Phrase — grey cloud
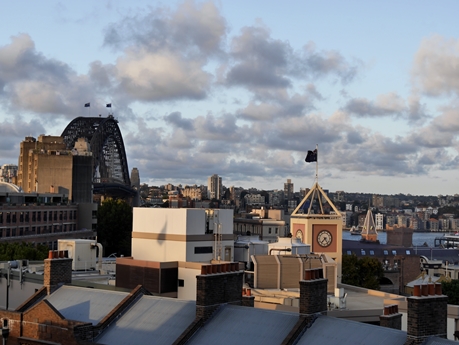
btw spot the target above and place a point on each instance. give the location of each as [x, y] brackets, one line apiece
[34, 83]
[385, 105]
[354, 138]
[191, 29]
[177, 120]
[318, 64]
[262, 62]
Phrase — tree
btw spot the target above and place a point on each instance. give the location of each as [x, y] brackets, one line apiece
[26, 251]
[114, 227]
[365, 272]
[451, 289]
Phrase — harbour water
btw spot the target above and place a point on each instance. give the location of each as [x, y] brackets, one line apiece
[419, 238]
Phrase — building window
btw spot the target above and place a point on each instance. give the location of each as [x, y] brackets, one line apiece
[349, 252]
[362, 252]
[372, 252]
[1, 217]
[408, 252]
[181, 283]
[269, 231]
[277, 230]
[394, 252]
[386, 252]
[203, 250]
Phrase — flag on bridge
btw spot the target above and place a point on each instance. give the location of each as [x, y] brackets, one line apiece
[87, 105]
[109, 105]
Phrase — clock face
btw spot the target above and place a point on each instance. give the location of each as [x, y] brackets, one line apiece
[299, 234]
[324, 238]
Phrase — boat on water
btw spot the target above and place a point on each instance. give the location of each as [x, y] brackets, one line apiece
[447, 241]
[355, 231]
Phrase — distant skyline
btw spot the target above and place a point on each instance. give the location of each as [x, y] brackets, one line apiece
[244, 89]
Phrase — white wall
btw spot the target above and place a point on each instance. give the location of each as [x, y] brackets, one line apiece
[159, 220]
[158, 250]
[188, 291]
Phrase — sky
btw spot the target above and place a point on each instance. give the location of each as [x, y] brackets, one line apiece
[244, 89]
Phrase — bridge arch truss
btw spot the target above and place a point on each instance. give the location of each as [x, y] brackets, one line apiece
[106, 144]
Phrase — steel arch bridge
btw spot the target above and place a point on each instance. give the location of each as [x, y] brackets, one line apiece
[110, 167]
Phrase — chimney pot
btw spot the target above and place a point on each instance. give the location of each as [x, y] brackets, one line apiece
[424, 290]
[438, 289]
[417, 291]
[431, 289]
[386, 310]
[307, 275]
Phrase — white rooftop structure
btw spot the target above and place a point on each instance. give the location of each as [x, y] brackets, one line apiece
[183, 234]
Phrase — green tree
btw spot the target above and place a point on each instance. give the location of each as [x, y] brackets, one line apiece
[114, 227]
[26, 251]
[365, 272]
[451, 289]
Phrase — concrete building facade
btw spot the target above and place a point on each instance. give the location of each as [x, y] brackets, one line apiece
[214, 187]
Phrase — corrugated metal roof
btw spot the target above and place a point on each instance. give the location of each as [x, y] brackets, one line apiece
[331, 331]
[152, 320]
[245, 325]
[83, 304]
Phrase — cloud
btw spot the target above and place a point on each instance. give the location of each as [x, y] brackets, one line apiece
[389, 104]
[176, 119]
[262, 62]
[34, 83]
[12, 132]
[436, 66]
[191, 29]
[161, 76]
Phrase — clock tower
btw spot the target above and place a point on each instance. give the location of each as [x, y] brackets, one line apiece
[317, 222]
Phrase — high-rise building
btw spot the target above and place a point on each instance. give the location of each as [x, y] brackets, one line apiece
[288, 190]
[214, 187]
[47, 166]
[135, 178]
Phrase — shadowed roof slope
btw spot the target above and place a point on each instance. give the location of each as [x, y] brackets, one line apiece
[243, 325]
[152, 320]
[333, 331]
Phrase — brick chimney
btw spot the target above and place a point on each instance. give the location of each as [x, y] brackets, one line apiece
[313, 292]
[57, 270]
[427, 313]
[217, 285]
[391, 317]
